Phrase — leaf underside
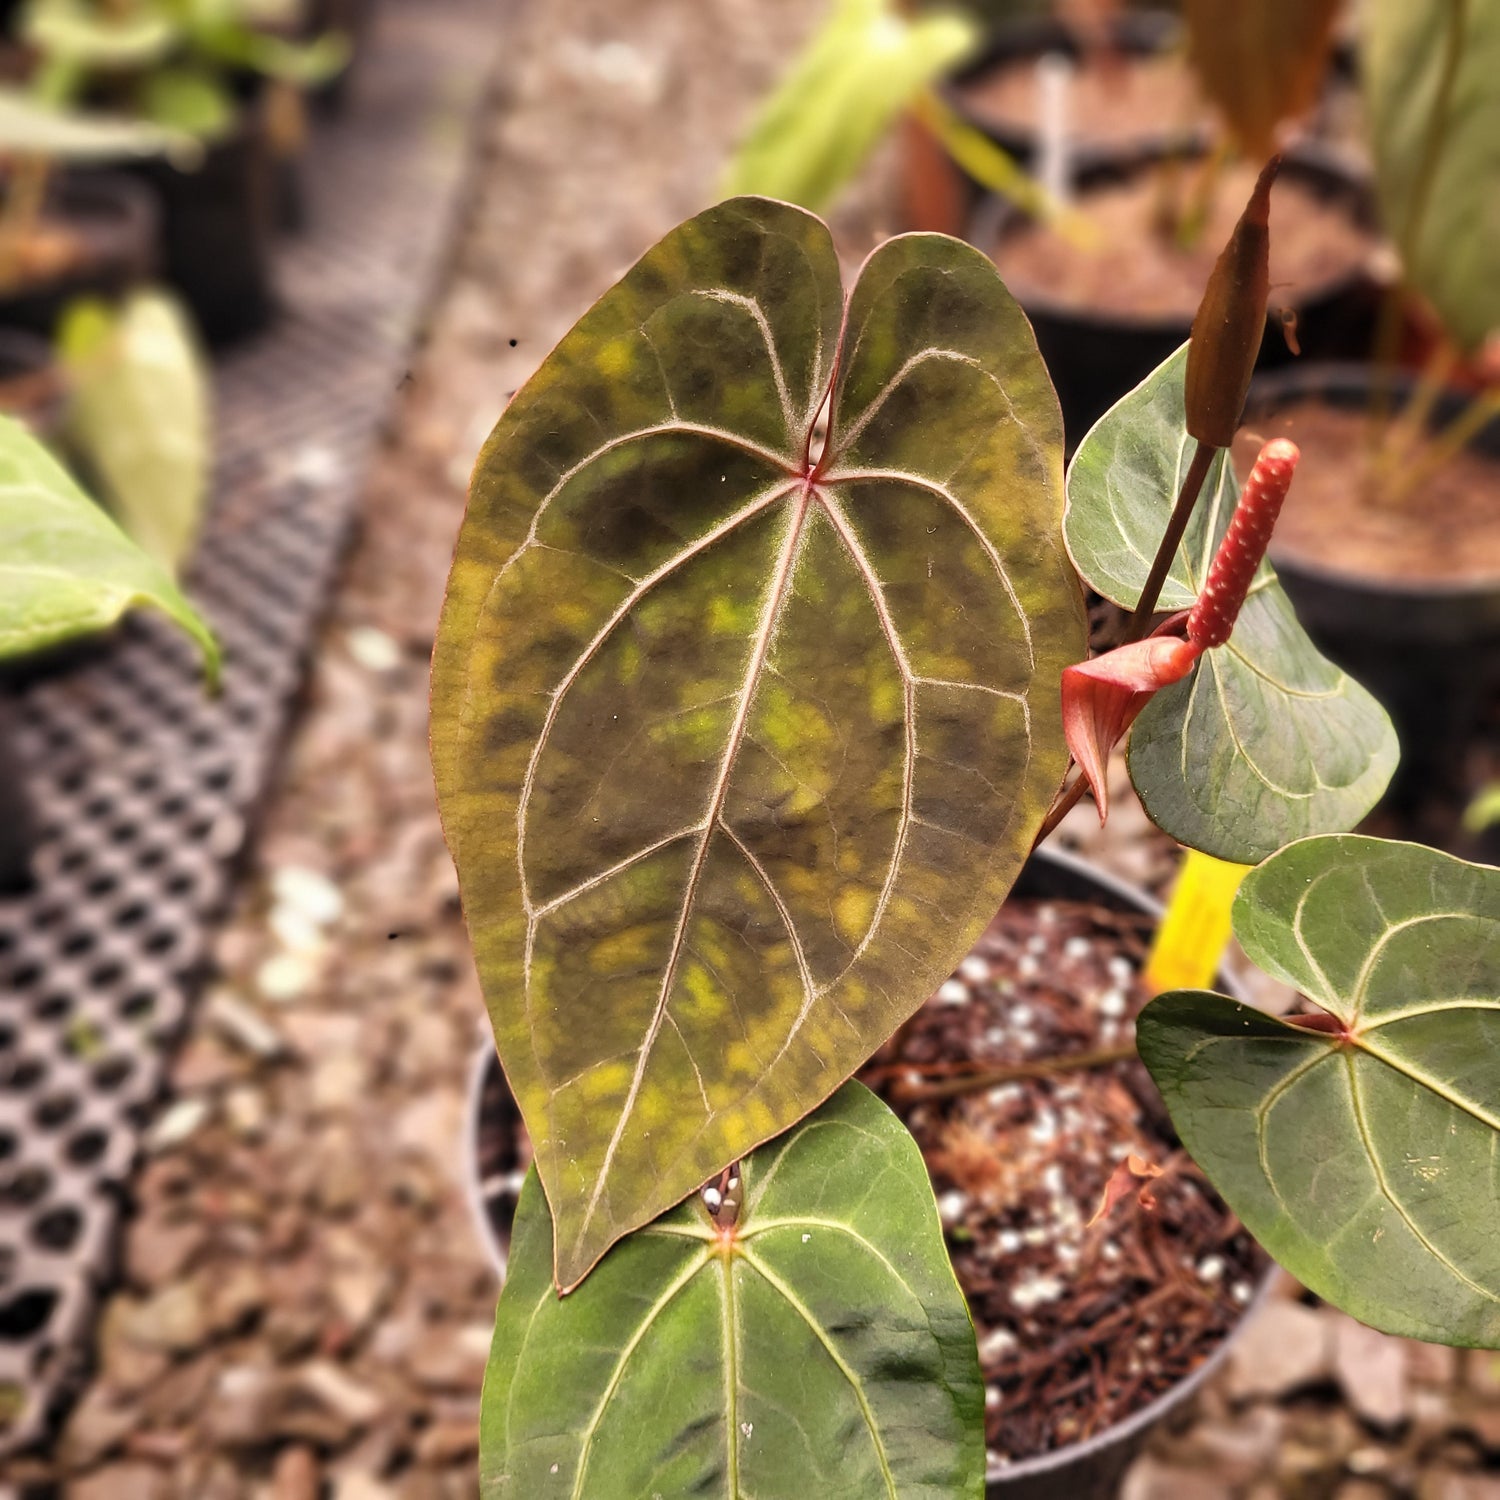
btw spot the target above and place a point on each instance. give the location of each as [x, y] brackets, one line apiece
[1265, 741]
[66, 569]
[1443, 210]
[139, 416]
[1369, 1167]
[735, 762]
[830, 1354]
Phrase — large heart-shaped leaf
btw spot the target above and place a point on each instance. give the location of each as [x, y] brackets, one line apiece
[822, 1347]
[1436, 170]
[1266, 741]
[1366, 1159]
[66, 569]
[139, 416]
[861, 69]
[739, 748]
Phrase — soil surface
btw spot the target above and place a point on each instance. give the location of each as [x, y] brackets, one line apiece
[1404, 522]
[1084, 1314]
[1112, 100]
[1134, 272]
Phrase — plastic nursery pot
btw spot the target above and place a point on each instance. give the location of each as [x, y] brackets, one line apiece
[18, 823]
[1086, 1470]
[1427, 647]
[217, 227]
[105, 228]
[32, 388]
[1121, 115]
[1096, 353]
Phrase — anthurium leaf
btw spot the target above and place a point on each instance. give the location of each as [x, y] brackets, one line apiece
[1437, 192]
[822, 1347]
[861, 68]
[1365, 1159]
[1265, 741]
[139, 416]
[66, 569]
[30, 127]
[1260, 64]
[738, 750]
[94, 36]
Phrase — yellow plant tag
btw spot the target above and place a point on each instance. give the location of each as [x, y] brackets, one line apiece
[1196, 929]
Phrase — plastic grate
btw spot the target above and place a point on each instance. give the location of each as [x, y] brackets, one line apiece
[144, 786]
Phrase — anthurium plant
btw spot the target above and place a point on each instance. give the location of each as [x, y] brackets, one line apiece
[748, 708]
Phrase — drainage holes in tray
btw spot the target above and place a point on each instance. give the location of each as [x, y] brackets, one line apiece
[87, 1147]
[55, 1111]
[9, 1145]
[54, 1007]
[58, 1229]
[21, 1073]
[25, 1187]
[105, 883]
[113, 1071]
[78, 942]
[25, 1315]
[131, 915]
[8, 1036]
[106, 975]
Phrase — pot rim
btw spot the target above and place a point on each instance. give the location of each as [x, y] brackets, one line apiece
[994, 217]
[1345, 383]
[1117, 1433]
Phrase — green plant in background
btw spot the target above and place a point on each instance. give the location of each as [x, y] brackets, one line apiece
[174, 63]
[69, 571]
[138, 418]
[745, 715]
[866, 64]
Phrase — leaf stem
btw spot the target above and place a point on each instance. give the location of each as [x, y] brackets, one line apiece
[1192, 486]
[1040, 1067]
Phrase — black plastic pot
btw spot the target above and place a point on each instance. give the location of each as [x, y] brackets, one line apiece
[18, 823]
[217, 228]
[1089, 1470]
[1429, 651]
[1095, 357]
[31, 385]
[115, 221]
[1135, 34]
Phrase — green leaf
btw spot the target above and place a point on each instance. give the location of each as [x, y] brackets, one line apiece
[188, 99]
[305, 63]
[824, 1349]
[1265, 741]
[1368, 1164]
[737, 754]
[1440, 195]
[66, 569]
[93, 37]
[139, 416]
[859, 71]
[32, 128]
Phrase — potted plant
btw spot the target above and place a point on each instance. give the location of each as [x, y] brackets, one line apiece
[66, 228]
[218, 74]
[746, 715]
[1392, 551]
[71, 572]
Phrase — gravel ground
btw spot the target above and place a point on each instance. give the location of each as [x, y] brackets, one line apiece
[305, 1309]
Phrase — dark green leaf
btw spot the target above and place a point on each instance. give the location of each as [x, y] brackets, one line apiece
[861, 69]
[1440, 195]
[66, 569]
[736, 760]
[1266, 741]
[1367, 1163]
[824, 1349]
